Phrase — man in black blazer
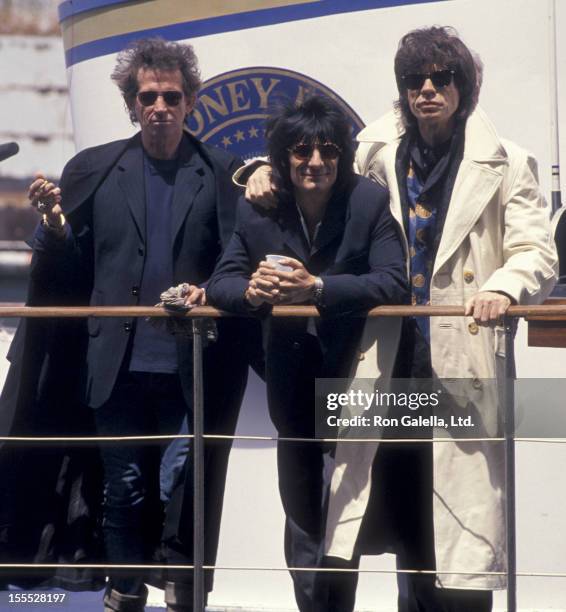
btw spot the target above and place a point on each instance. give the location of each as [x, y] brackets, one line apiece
[343, 254]
[132, 218]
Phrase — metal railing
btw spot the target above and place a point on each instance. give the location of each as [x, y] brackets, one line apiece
[197, 316]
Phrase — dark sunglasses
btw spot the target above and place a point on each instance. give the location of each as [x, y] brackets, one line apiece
[439, 78]
[327, 150]
[171, 98]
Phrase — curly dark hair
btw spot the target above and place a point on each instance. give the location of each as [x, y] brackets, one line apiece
[421, 49]
[317, 119]
[154, 54]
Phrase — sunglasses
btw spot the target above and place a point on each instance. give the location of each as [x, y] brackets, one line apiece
[171, 98]
[327, 150]
[439, 78]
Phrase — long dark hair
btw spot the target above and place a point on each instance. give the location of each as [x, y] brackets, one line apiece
[421, 49]
[316, 119]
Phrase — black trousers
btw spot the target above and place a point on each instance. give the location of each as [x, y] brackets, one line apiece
[300, 466]
[225, 370]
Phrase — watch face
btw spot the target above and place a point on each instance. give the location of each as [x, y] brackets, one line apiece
[318, 287]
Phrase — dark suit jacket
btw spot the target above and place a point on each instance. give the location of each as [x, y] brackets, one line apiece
[104, 202]
[105, 206]
[358, 255]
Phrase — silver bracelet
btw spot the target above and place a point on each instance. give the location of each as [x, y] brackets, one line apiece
[317, 291]
[53, 228]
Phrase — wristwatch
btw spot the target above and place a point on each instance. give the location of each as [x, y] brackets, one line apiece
[318, 290]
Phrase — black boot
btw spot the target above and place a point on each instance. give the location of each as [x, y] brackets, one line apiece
[119, 602]
[179, 597]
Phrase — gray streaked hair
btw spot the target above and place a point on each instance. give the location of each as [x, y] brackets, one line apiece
[155, 54]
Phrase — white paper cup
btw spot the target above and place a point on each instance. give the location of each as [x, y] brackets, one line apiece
[275, 259]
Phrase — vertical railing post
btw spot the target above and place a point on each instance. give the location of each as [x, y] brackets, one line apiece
[509, 407]
[198, 467]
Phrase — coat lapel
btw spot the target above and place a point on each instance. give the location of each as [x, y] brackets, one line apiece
[131, 182]
[188, 183]
[333, 222]
[390, 167]
[479, 176]
[474, 188]
[293, 234]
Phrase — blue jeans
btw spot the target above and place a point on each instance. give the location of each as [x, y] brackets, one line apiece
[139, 477]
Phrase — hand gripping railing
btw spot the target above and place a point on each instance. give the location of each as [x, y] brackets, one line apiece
[548, 312]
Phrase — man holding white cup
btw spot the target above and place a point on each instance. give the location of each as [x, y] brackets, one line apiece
[330, 242]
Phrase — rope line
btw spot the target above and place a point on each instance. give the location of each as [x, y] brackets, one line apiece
[158, 438]
[4, 566]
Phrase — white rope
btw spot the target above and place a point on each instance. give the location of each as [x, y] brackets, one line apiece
[158, 438]
[267, 569]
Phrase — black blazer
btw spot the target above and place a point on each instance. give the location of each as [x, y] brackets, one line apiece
[357, 253]
[103, 198]
[104, 202]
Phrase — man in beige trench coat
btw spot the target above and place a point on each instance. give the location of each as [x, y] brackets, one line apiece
[476, 232]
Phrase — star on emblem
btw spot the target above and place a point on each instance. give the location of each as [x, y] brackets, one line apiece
[239, 136]
[253, 132]
[226, 142]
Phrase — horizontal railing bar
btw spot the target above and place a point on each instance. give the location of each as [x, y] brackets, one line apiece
[557, 312]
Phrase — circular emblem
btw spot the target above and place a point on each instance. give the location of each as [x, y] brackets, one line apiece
[232, 107]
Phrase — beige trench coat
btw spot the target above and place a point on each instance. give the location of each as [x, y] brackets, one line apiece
[496, 237]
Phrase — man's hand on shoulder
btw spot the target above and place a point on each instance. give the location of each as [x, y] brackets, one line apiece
[487, 307]
[260, 189]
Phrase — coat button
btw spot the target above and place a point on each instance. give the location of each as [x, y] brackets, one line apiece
[473, 328]
[135, 290]
[140, 252]
[476, 383]
[468, 276]
[296, 346]
[127, 327]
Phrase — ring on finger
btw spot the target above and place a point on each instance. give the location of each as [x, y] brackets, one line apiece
[43, 207]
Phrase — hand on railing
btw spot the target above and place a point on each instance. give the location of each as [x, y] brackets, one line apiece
[487, 307]
[177, 301]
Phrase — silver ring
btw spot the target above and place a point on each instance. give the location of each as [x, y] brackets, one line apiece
[43, 207]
